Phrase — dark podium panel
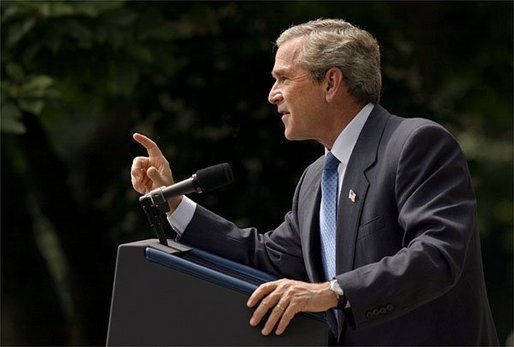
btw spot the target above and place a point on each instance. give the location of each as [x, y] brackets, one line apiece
[182, 296]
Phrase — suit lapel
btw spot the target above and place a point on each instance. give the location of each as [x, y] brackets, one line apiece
[315, 271]
[311, 249]
[355, 188]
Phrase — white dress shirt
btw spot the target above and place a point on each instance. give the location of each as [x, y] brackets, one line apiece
[343, 146]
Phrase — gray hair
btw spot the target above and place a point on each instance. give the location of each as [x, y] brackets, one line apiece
[331, 43]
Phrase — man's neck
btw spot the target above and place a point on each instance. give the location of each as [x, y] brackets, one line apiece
[341, 119]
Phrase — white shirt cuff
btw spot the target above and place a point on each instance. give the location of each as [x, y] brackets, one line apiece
[181, 217]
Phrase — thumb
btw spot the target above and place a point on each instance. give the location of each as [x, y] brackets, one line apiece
[155, 176]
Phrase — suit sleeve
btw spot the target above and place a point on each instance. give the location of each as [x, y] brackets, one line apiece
[277, 251]
[437, 213]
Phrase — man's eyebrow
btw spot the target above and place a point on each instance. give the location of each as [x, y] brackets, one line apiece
[278, 72]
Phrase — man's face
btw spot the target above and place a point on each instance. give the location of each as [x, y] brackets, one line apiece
[298, 97]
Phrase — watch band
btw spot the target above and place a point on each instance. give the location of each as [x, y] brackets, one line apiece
[341, 298]
[342, 303]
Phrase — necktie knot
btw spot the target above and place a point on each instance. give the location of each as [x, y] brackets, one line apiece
[331, 162]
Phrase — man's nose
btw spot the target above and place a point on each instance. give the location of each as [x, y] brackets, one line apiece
[275, 96]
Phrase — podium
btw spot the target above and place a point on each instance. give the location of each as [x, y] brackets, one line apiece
[178, 295]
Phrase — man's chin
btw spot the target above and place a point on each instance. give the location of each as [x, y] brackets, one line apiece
[291, 136]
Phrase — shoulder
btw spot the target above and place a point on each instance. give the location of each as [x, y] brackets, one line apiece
[424, 134]
[420, 148]
[417, 144]
[413, 126]
[397, 130]
[417, 132]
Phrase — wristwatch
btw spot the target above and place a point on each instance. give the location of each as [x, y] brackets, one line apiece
[341, 298]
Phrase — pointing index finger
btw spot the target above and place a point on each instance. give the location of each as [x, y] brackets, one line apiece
[151, 147]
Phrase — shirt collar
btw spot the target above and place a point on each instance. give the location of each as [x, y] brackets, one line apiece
[343, 146]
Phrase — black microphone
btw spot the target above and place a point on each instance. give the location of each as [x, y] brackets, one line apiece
[203, 181]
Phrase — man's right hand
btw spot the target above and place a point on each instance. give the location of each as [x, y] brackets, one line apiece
[148, 173]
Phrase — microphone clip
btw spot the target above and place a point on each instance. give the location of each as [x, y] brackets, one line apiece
[155, 198]
[155, 206]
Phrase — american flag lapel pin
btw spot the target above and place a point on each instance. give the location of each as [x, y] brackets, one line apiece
[352, 196]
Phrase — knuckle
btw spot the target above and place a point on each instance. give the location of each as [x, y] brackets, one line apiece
[295, 307]
[139, 160]
[268, 302]
[266, 285]
[292, 292]
[263, 288]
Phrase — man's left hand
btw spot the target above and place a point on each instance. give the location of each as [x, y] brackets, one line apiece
[285, 298]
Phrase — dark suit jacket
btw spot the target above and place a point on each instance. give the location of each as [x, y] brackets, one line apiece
[408, 250]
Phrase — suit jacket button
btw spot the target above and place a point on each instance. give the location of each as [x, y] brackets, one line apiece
[383, 310]
[369, 314]
[389, 307]
[376, 312]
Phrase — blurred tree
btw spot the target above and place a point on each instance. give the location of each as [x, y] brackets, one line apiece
[79, 77]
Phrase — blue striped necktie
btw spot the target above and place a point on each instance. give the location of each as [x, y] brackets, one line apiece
[328, 214]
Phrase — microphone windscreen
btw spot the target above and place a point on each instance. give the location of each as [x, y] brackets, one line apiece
[214, 177]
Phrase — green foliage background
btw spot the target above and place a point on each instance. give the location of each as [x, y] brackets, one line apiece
[77, 78]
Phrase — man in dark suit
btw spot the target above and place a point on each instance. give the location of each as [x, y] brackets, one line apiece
[382, 233]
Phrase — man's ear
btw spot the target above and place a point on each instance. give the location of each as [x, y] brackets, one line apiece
[333, 82]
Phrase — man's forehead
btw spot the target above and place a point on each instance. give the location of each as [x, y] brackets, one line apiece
[285, 57]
